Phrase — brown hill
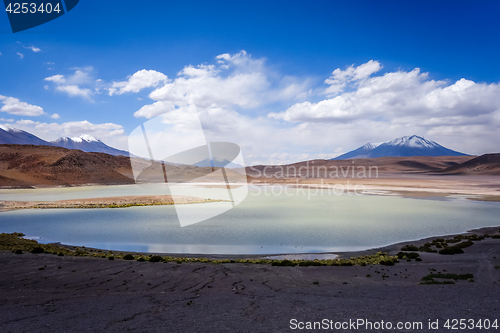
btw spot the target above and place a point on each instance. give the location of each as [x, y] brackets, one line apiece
[488, 164]
[28, 165]
[344, 168]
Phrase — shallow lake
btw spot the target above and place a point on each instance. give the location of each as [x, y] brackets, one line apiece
[269, 221]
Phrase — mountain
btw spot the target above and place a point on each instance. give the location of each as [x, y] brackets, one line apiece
[9, 135]
[85, 142]
[406, 146]
[361, 152]
[88, 144]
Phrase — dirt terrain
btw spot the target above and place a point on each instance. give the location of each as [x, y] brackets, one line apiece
[48, 293]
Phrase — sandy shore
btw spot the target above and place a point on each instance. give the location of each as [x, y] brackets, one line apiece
[107, 202]
[404, 184]
[47, 293]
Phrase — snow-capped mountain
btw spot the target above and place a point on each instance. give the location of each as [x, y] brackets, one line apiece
[361, 152]
[85, 142]
[88, 144]
[9, 135]
[401, 147]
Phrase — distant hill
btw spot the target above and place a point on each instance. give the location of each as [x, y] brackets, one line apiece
[28, 165]
[384, 165]
[488, 164]
[406, 146]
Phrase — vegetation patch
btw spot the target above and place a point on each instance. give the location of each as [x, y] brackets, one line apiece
[448, 278]
[155, 259]
[409, 248]
[451, 250]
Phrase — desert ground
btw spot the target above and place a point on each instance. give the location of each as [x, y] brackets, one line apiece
[48, 293]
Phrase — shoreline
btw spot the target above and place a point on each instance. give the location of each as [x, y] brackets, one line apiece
[104, 202]
[390, 250]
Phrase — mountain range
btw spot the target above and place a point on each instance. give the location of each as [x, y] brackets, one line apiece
[405, 146]
[85, 142]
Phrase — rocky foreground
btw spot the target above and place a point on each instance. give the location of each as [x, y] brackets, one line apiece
[50, 293]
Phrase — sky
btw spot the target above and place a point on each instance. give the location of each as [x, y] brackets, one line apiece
[286, 80]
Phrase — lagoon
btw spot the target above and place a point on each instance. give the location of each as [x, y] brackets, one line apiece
[269, 221]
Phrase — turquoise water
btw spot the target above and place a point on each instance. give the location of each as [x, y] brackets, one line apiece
[262, 224]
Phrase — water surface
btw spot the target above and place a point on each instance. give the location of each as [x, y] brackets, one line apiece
[262, 224]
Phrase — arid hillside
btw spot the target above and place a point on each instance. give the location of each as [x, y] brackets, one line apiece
[488, 164]
[344, 168]
[31, 165]
[28, 165]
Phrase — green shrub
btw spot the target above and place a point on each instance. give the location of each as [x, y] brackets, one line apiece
[388, 262]
[111, 258]
[283, 263]
[155, 259]
[451, 250]
[496, 236]
[141, 259]
[410, 255]
[18, 251]
[128, 257]
[465, 244]
[38, 249]
[409, 248]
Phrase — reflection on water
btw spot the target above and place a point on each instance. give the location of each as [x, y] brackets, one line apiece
[262, 224]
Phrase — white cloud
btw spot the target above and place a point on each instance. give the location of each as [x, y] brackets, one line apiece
[340, 78]
[7, 120]
[32, 48]
[15, 106]
[55, 116]
[74, 90]
[236, 81]
[360, 107]
[20, 55]
[464, 114]
[138, 81]
[75, 85]
[56, 79]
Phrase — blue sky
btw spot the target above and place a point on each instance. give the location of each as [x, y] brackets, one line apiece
[280, 89]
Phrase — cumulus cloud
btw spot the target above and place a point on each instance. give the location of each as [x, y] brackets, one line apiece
[404, 103]
[235, 81]
[78, 84]
[138, 81]
[15, 106]
[359, 104]
[55, 116]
